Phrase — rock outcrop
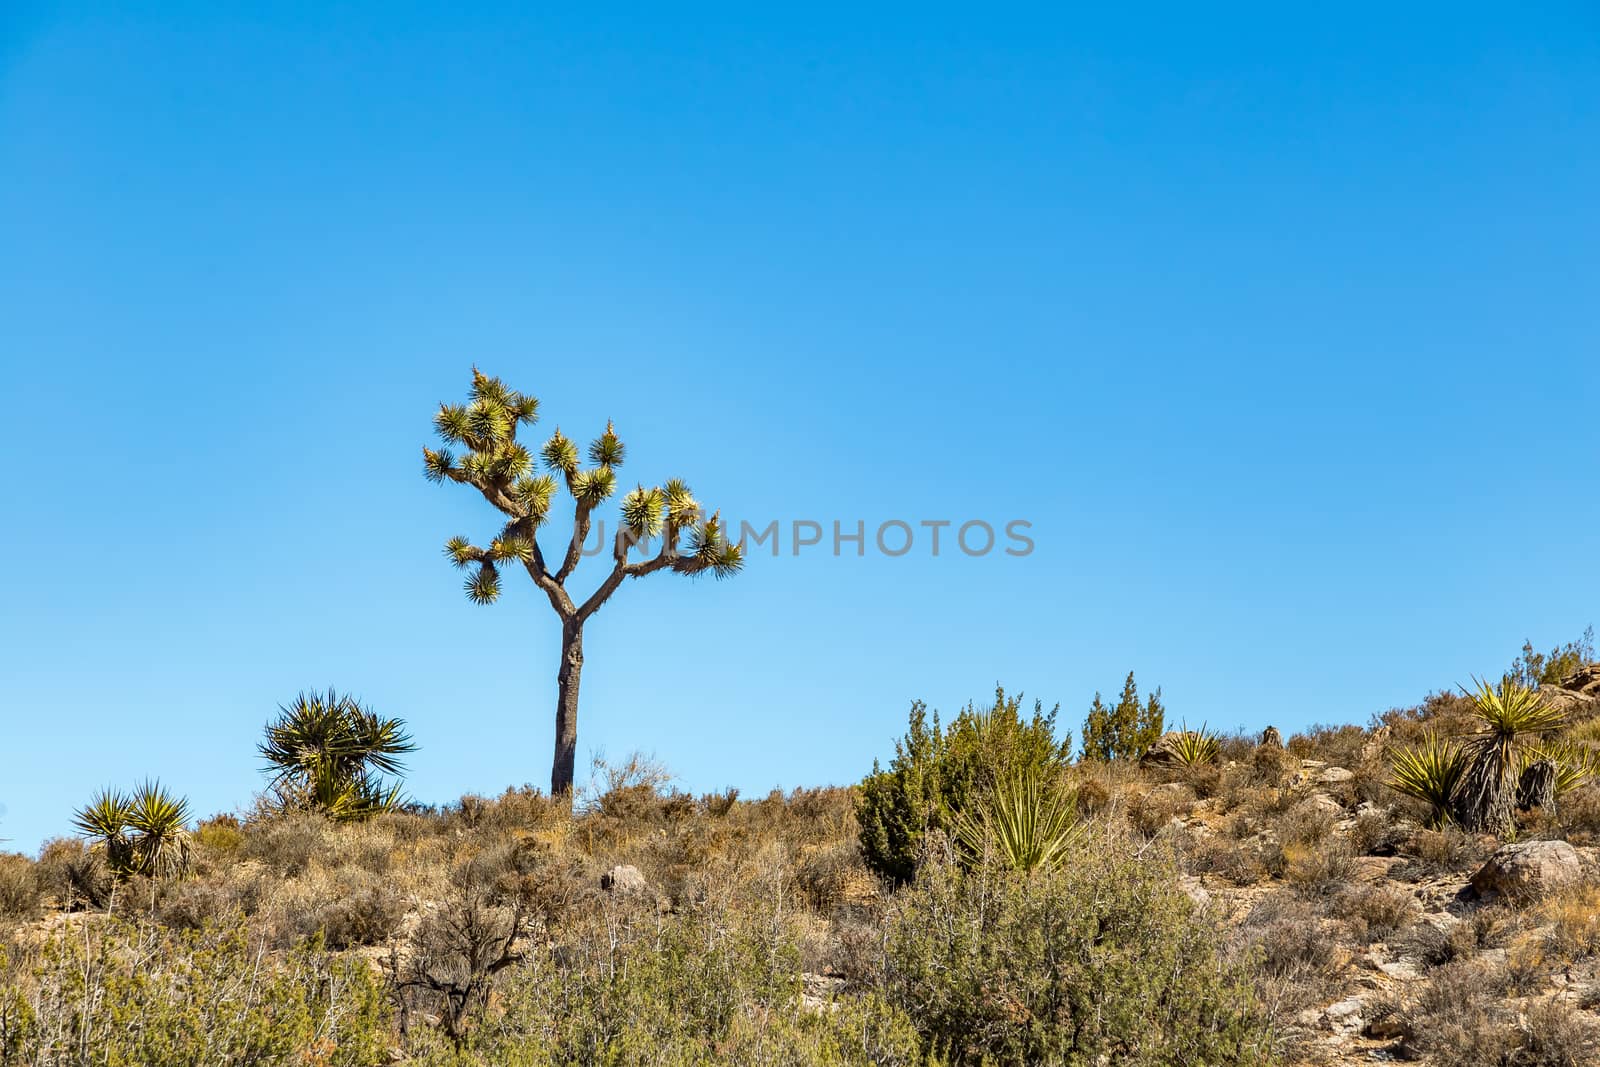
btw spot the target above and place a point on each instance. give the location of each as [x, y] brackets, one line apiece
[1529, 870]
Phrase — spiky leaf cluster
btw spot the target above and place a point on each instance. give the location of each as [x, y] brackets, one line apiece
[328, 753]
[1024, 824]
[145, 832]
[607, 450]
[1429, 772]
[1192, 748]
[643, 511]
[710, 550]
[593, 486]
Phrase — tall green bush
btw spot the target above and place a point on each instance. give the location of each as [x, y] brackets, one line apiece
[1127, 730]
[939, 773]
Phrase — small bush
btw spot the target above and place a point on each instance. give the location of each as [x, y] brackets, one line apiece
[20, 891]
[1373, 912]
[1455, 1021]
[1101, 958]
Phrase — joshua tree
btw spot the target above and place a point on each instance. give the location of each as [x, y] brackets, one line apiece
[327, 753]
[501, 468]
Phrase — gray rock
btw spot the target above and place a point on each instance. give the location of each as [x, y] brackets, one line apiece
[624, 880]
[1334, 776]
[1529, 870]
[1345, 1017]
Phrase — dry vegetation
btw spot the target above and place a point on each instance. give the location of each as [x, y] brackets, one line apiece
[1269, 903]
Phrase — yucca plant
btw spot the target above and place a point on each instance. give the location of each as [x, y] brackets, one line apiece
[1193, 748]
[145, 832]
[160, 825]
[1510, 715]
[501, 468]
[1429, 772]
[328, 753]
[104, 821]
[1023, 824]
[1547, 772]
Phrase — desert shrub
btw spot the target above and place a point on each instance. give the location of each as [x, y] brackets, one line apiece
[139, 994]
[1339, 745]
[1373, 912]
[219, 839]
[197, 904]
[72, 875]
[20, 891]
[1457, 1023]
[833, 875]
[1557, 1035]
[1307, 823]
[1377, 833]
[1272, 764]
[1227, 859]
[1100, 959]
[1315, 870]
[937, 773]
[1574, 917]
[346, 908]
[1435, 852]
[287, 843]
[705, 985]
[1151, 810]
[1289, 952]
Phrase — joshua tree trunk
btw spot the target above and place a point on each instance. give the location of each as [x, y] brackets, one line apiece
[561, 770]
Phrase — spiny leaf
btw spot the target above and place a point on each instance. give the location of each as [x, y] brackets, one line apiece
[682, 508]
[460, 551]
[511, 461]
[1509, 709]
[452, 423]
[484, 586]
[642, 511]
[592, 486]
[437, 465]
[491, 389]
[560, 454]
[525, 408]
[535, 494]
[517, 548]
[489, 419]
[607, 449]
[105, 816]
[1429, 772]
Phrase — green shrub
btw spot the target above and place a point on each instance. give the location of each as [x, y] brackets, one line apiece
[1101, 959]
[937, 774]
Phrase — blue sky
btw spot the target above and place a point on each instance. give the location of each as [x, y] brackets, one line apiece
[1279, 326]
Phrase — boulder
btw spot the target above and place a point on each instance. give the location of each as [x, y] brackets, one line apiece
[1334, 776]
[1577, 694]
[1529, 870]
[624, 880]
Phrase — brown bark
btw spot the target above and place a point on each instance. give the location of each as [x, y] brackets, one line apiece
[562, 769]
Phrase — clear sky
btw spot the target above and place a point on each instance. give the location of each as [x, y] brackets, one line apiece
[1279, 325]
